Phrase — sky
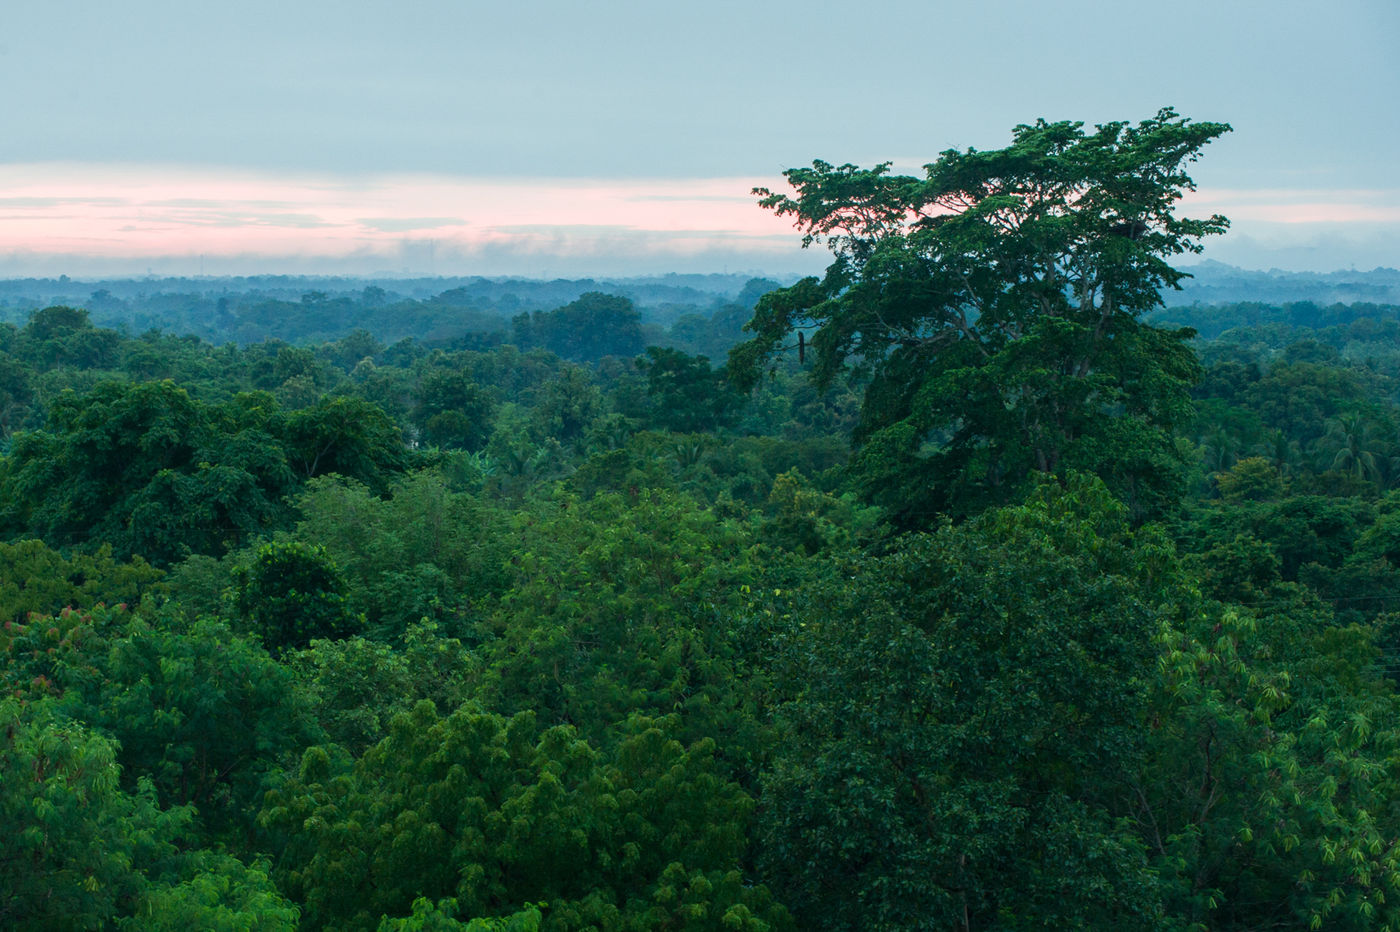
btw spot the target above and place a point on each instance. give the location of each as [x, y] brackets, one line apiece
[554, 138]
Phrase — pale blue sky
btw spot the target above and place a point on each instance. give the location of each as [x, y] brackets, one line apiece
[353, 95]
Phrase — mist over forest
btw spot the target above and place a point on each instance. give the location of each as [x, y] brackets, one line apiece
[438, 310]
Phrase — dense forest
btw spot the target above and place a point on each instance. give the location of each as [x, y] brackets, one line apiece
[967, 586]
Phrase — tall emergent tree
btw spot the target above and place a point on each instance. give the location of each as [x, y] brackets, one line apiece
[995, 306]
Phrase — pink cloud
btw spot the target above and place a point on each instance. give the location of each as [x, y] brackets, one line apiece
[118, 212]
[1298, 205]
[122, 210]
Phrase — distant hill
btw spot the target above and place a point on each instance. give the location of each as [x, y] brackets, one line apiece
[517, 293]
[705, 310]
[1218, 283]
[676, 309]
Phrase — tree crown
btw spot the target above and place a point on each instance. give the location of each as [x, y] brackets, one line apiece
[994, 304]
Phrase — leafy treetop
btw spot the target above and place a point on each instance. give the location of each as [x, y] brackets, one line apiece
[994, 305]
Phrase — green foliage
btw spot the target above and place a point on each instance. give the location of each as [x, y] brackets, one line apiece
[359, 686]
[81, 852]
[622, 605]
[1254, 479]
[519, 458]
[37, 578]
[1239, 570]
[424, 552]
[55, 321]
[594, 326]
[632, 467]
[1268, 795]
[962, 713]
[144, 468]
[1382, 539]
[567, 406]
[1301, 397]
[223, 895]
[809, 521]
[438, 917]
[1302, 529]
[1351, 446]
[15, 394]
[75, 843]
[291, 593]
[498, 814]
[996, 306]
[60, 335]
[452, 411]
[347, 436]
[202, 715]
[686, 396]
